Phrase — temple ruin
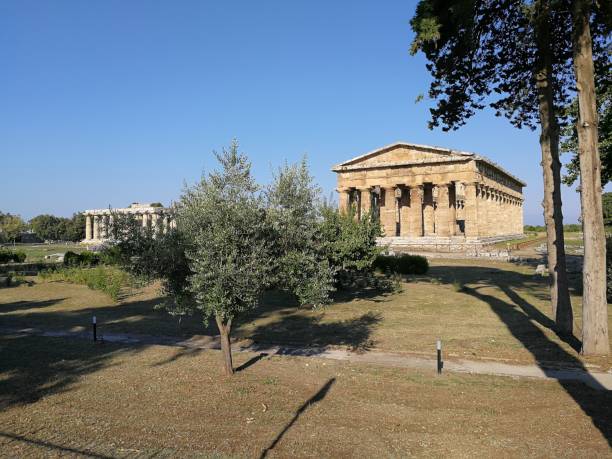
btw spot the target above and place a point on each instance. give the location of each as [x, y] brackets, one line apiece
[98, 221]
[432, 197]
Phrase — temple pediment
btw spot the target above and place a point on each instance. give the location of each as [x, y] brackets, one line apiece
[401, 154]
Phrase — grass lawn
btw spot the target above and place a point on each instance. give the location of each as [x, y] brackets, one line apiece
[65, 397]
[37, 252]
[501, 313]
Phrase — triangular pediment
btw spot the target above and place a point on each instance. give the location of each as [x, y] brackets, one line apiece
[403, 153]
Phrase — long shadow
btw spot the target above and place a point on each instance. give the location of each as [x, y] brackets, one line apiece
[537, 315]
[34, 367]
[320, 395]
[21, 305]
[52, 446]
[594, 403]
[251, 361]
[311, 331]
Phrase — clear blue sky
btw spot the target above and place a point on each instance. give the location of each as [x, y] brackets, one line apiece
[108, 102]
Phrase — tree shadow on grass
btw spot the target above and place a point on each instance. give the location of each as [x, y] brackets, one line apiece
[320, 395]
[45, 445]
[24, 305]
[594, 403]
[311, 331]
[520, 317]
[33, 367]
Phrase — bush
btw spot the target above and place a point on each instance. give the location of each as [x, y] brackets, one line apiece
[402, 264]
[107, 279]
[112, 255]
[7, 256]
[73, 259]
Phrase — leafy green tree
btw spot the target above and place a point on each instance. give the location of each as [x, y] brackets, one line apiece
[75, 228]
[47, 227]
[349, 243]
[229, 247]
[569, 142]
[11, 226]
[513, 56]
[607, 209]
[293, 209]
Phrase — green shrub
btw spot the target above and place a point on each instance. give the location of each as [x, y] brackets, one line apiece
[112, 255]
[81, 259]
[402, 264]
[107, 279]
[6, 256]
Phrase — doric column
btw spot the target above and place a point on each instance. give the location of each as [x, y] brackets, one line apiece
[88, 228]
[154, 218]
[442, 214]
[145, 220]
[96, 227]
[344, 200]
[165, 224]
[471, 210]
[388, 212]
[365, 200]
[415, 214]
[452, 209]
[103, 226]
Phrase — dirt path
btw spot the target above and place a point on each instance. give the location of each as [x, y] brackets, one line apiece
[596, 380]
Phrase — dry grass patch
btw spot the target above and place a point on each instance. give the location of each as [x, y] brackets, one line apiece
[480, 310]
[64, 397]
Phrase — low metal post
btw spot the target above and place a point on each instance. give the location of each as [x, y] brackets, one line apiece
[439, 351]
[95, 335]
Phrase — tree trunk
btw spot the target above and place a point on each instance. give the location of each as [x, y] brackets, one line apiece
[226, 348]
[551, 167]
[594, 304]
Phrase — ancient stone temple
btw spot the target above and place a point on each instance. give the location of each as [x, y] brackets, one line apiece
[98, 221]
[433, 196]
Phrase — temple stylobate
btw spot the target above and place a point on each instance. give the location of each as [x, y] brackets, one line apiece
[98, 221]
[432, 194]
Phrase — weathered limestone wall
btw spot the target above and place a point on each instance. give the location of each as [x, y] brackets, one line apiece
[430, 192]
[99, 221]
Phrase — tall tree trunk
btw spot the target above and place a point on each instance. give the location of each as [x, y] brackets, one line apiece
[594, 304]
[226, 347]
[551, 167]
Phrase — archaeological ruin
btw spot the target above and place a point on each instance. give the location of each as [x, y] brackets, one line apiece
[431, 198]
[98, 221]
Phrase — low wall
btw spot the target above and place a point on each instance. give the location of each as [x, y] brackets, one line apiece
[27, 269]
[449, 247]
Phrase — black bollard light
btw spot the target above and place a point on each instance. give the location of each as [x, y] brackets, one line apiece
[439, 350]
[93, 323]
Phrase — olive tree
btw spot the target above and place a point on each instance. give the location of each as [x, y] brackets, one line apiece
[227, 243]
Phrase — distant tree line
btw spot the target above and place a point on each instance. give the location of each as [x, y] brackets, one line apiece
[45, 227]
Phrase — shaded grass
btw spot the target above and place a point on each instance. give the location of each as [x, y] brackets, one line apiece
[110, 401]
[427, 308]
[108, 279]
[37, 252]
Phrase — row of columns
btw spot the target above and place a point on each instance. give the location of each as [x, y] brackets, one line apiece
[97, 226]
[441, 209]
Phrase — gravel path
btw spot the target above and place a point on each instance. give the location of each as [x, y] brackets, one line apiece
[596, 380]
